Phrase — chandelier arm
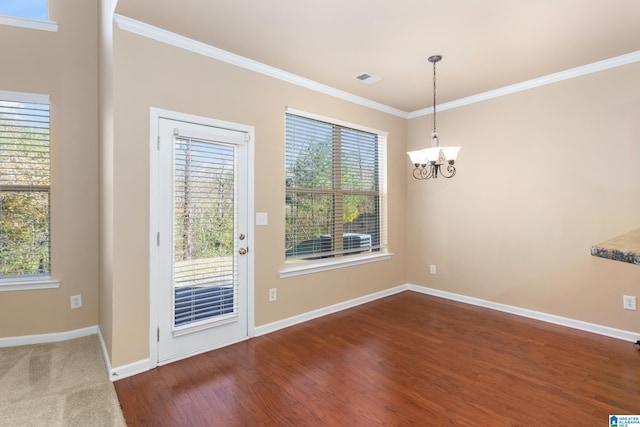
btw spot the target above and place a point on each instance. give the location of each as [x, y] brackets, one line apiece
[431, 170]
[423, 172]
[451, 171]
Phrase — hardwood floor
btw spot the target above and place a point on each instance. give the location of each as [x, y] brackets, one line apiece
[408, 359]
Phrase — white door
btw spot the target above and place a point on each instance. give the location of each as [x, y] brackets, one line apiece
[202, 240]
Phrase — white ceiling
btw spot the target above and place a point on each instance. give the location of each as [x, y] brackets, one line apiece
[485, 44]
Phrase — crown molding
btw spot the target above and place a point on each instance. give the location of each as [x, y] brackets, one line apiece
[32, 24]
[583, 70]
[164, 36]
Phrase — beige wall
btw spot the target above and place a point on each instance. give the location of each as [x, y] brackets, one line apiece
[514, 226]
[542, 175]
[151, 74]
[63, 65]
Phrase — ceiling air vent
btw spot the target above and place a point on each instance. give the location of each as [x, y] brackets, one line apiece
[368, 78]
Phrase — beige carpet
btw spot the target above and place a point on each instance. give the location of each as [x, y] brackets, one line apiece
[57, 384]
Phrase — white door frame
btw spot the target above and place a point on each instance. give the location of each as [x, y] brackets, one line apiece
[155, 114]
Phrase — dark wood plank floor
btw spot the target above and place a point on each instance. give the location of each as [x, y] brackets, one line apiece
[408, 359]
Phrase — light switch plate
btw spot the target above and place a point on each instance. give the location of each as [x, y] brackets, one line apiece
[262, 218]
[629, 302]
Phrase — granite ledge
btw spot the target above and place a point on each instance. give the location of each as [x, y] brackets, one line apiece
[625, 248]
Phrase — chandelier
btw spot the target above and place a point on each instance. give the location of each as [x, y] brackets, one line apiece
[429, 162]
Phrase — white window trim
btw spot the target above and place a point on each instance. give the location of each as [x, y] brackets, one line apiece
[310, 267]
[28, 283]
[33, 24]
[333, 121]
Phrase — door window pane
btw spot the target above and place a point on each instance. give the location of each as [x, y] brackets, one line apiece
[204, 223]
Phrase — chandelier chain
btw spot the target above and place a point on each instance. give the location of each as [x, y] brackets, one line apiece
[434, 97]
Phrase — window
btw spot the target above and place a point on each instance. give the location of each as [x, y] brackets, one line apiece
[32, 14]
[334, 198]
[35, 9]
[24, 187]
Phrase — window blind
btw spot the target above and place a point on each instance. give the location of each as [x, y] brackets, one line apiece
[205, 279]
[334, 189]
[24, 189]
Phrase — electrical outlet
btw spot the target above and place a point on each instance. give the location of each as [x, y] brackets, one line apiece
[76, 301]
[432, 269]
[629, 302]
[273, 294]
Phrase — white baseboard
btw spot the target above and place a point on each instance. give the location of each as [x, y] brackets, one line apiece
[281, 324]
[46, 338]
[532, 314]
[144, 365]
[125, 371]
[121, 372]
[105, 353]
[114, 374]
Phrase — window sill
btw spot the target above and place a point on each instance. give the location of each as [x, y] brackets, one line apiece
[29, 284]
[33, 24]
[316, 267]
